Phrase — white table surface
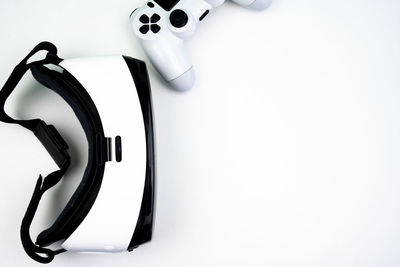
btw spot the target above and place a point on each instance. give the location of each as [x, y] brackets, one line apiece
[286, 152]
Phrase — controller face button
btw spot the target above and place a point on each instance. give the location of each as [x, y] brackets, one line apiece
[150, 4]
[155, 18]
[144, 19]
[178, 18]
[144, 29]
[155, 28]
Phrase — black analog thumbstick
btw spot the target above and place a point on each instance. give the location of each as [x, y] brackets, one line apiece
[178, 18]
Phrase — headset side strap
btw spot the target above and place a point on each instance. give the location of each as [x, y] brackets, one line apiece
[49, 137]
[31, 249]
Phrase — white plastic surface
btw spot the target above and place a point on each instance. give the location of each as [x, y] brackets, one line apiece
[300, 132]
[255, 4]
[184, 81]
[261, 5]
[110, 84]
[166, 49]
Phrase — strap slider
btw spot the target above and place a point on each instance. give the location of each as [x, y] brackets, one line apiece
[104, 149]
[53, 142]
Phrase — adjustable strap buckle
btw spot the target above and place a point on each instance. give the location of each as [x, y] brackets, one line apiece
[53, 142]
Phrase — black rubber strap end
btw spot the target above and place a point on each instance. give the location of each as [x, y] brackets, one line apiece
[31, 249]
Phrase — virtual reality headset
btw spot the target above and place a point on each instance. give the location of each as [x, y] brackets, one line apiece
[112, 210]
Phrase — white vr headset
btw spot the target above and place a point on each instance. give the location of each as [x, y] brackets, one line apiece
[113, 207]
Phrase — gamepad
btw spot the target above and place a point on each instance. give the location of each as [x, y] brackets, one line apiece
[163, 25]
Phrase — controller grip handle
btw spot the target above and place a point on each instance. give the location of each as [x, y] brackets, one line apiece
[254, 4]
[168, 56]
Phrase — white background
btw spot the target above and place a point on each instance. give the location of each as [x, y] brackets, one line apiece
[286, 152]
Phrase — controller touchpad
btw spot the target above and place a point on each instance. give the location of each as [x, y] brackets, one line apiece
[167, 4]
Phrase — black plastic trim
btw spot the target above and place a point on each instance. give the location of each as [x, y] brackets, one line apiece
[118, 148]
[144, 226]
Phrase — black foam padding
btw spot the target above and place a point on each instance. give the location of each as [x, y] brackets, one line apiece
[85, 110]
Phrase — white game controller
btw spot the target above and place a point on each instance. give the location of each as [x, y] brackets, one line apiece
[163, 25]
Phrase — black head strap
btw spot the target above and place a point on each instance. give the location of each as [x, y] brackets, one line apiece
[51, 140]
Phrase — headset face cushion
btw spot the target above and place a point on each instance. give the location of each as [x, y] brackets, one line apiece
[83, 198]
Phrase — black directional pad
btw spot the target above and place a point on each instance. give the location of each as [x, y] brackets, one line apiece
[155, 18]
[149, 23]
[144, 19]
